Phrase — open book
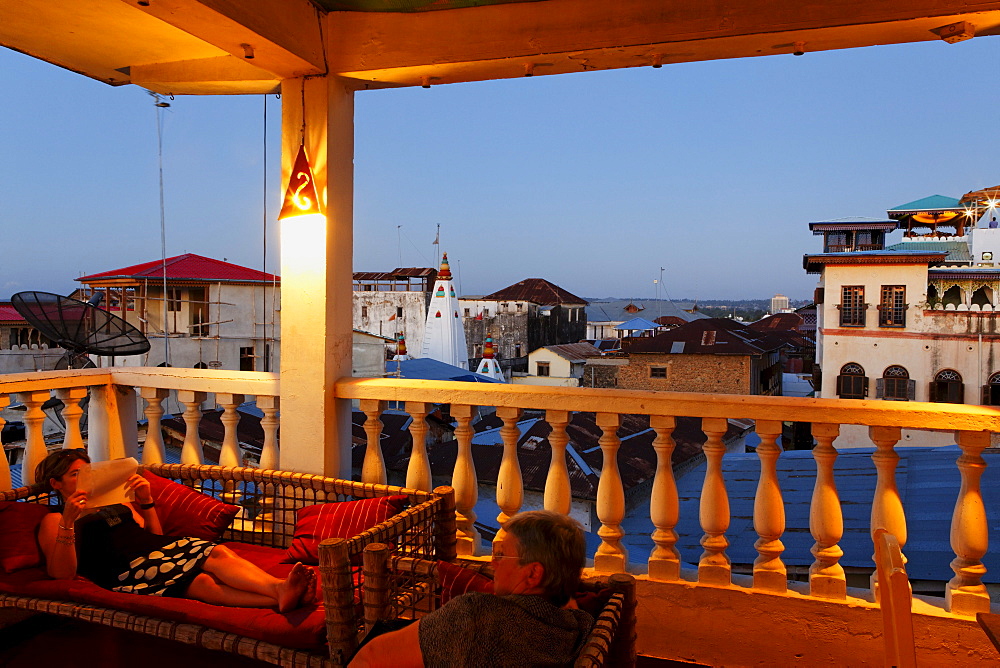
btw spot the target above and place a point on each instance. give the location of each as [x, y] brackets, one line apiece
[104, 482]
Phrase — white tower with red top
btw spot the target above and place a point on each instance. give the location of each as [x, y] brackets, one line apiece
[444, 334]
[489, 366]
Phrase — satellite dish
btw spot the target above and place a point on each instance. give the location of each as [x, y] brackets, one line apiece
[81, 328]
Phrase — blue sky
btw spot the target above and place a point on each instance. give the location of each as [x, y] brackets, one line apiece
[593, 181]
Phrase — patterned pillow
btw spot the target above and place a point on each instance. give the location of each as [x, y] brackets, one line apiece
[456, 580]
[338, 520]
[19, 531]
[185, 512]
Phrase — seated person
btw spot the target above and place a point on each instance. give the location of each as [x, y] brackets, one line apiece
[529, 621]
[120, 547]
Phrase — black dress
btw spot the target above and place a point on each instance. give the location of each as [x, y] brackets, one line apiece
[116, 553]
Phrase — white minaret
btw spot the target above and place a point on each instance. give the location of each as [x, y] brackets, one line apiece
[444, 333]
[488, 366]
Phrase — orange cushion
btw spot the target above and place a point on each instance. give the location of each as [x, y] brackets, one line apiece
[338, 520]
[185, 512]
[19, 534]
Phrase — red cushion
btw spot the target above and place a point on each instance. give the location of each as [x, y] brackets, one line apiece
[338, 520]
[19, 534]
[185, 512]
[304, 628]
[456, 580]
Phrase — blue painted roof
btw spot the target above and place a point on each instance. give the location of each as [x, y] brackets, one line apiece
[932, 203]
[426, 368]
[958, 251]
[928, 482]
[637, 324]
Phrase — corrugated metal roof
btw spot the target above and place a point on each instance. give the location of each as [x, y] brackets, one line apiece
[575, 351]
[189, 267]
[397, 273]
[426, 368]
[930, 203]
[958, 251]
[537, 291]
[713, 336]
[852, 223]
[637, 324]
[9, 314]
[621, 310]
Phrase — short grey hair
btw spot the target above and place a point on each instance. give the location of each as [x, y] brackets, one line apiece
[557, 543]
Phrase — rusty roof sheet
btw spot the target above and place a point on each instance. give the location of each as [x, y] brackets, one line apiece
[784, 322]
[536, 291]
[395, 274]
[575, 351]
[712, 336]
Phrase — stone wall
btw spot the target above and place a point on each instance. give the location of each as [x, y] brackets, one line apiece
[712, 374]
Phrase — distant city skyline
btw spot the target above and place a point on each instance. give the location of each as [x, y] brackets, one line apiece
[593, 181]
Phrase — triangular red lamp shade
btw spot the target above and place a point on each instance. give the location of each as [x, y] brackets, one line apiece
[300, 198]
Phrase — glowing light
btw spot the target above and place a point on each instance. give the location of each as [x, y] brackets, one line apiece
[300, 197]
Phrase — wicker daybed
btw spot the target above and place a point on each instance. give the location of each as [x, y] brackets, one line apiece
[326, 635]
[404, 587]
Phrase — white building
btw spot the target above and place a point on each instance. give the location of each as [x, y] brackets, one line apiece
[560, 365]
[395, 302]
[917, 321]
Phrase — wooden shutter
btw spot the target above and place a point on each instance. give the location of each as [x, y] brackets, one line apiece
[840, 385]
[879, 388]
[932, 391]
[818, 295]
[865, 381]
[911, 390]
[960, 392]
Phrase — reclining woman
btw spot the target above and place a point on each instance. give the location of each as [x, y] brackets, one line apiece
[121, 547]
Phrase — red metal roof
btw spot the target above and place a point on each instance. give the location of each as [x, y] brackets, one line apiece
[537, 291]
[9, 314]
[714, 336]
[187, 267]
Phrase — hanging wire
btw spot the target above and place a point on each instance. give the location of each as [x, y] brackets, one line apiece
[159, 106]
[267, 350]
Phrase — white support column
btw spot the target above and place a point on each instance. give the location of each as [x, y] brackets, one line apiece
[418, 471]
[191, 451]
[34, 445]
[465, 483]
[72, 412]
[826, 519]
[714, 566]
[112, 431]
[230, 454]
[611, 555]
[887, 507]
[269, 423]
[316, 269]
[966, 594]
[769, 572]
[153, 450]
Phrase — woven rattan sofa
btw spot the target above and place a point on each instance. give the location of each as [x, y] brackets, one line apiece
[322, 636]
[405, 587]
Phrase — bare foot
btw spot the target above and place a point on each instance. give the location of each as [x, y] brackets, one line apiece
[309, 596]
[292, 590]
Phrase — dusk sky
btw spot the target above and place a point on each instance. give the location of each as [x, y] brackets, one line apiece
[593, 181]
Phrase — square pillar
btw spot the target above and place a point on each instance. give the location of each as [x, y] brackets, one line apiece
[316, 273]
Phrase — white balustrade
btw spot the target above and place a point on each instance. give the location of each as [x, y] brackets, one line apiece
[826, 519]
[611, 556]
[769, 571]
[558, 495]
[418, 471]
[230, 454]
[465, 483]
[192, 451]
[269, 406]
[72, 412]
[34, 446]
[714, 566]
[966, 594]
[664, 506]
[373, 467]
[510, 488]
[5, 479]
[887, 507]
[154, 450]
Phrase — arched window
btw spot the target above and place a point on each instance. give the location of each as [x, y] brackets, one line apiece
[852, 382]
[895, 384]
[947, 387]
[952, 295]
[991, 391]
[982, 296]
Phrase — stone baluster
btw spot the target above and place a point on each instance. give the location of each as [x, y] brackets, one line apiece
[269, 423]
[230, 454]
[34, 446]
[72, 412]
[664, 507]
[5, 480]
[465, 483]
[714, 566]
[611, 555]
[153, 450]
[510, 488]
[557, 489]
[191, 451]
[966, 594]
[887, 507]
[769, 571]
[418, 471]
[373, 467]
[826, 519]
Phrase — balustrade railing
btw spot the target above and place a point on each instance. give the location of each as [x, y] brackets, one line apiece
[112, 389]
[966, 593]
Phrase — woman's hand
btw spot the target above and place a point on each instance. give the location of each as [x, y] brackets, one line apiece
[139, 486]
[75, 505]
